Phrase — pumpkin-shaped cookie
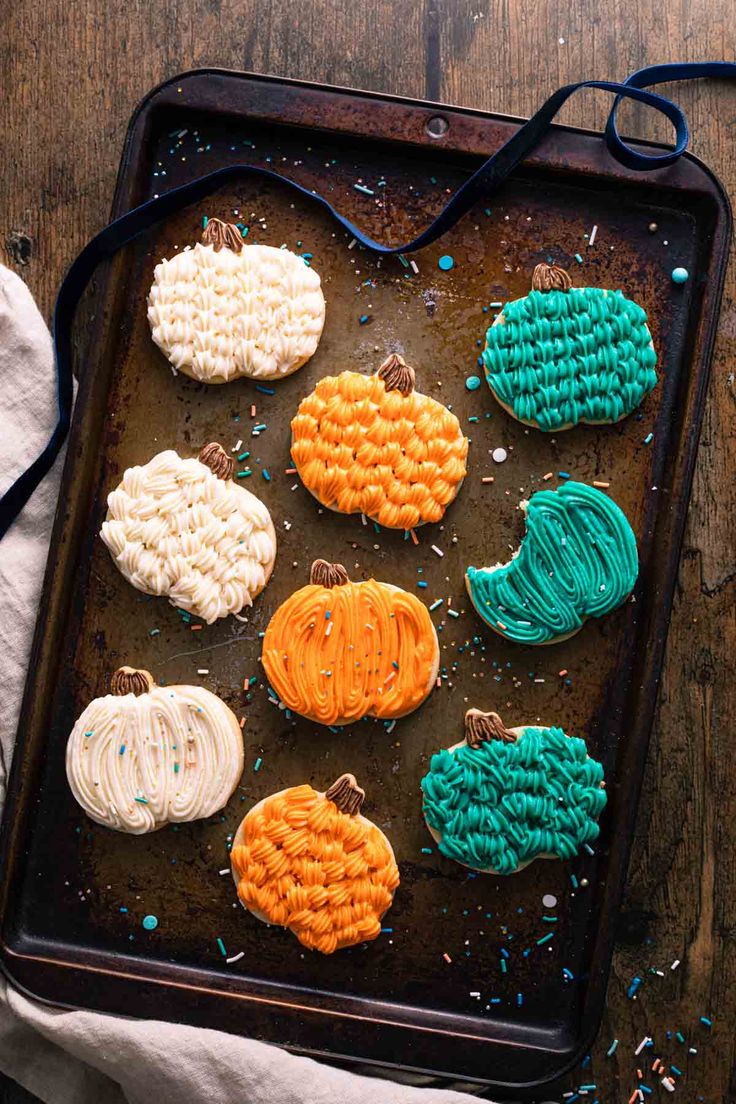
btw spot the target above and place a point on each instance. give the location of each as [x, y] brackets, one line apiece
[143, 756]
[373, 445]
[183, 528]
[336, 651]
[226, 309]
[564, 355]
[310, 862]
[504, 797]
[577, 560]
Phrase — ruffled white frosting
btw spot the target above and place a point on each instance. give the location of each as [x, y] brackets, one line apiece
[218, 314]
[175, 528]
[178, 749]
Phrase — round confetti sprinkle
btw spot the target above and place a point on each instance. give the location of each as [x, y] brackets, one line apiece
[472, 383]
[680, 275]
[150, 922]
[446, 262]
[499, 455]
[549, 900]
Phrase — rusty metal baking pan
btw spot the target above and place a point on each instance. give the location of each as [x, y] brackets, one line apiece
[397, 1002]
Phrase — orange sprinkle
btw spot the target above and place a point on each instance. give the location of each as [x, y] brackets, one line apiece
[598, 483]
[196, 628]
[640, 1075]
[253, 410]
[446, 957]
[438, 683]
[634, 1096]
[242, 722]
[563, 672]
[245, 684]
[289, 471]
[500, 624]
[487, 479]
[548, 475]
[414, 537]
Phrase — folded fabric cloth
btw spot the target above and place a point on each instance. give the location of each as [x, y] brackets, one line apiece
[78, 1057]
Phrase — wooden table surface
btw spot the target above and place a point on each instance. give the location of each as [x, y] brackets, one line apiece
[74, 71]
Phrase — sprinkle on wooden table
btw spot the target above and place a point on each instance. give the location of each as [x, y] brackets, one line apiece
[257, 764]
[612, 1048]
[353, 243]
[437, 551]
[547, 476]
[236, 957]
[488, 479]
[642, 1044]
[253, 410]
[362, 188]
[706, 1022]
[414, 537]
[675, 964]
[601, 483]
[203, 670]
[224, 871]
[563, 672]
[446, 957]
[265, 390]
[592, 237]
[266, 474]
[242, 722]
[245, 473]
[243, 456]
[668, 1083]
[237, 446]
[289, 471]
[221, 945]
[196, 628]
[649, 438]
[436, 604]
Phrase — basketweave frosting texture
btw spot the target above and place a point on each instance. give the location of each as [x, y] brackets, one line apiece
[557, 358]
[218, 314]
[501, 805]
[135, 763]
[300, 862]
[176, 529]
[362, 448]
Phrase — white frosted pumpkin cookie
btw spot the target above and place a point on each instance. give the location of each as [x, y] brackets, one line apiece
[144, 756]
[225, 309]
[184, 529]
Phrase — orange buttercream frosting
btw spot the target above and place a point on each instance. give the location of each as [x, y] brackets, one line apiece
[337, 653]
[373, 445]
[327, 875]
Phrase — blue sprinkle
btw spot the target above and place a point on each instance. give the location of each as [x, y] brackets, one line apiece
[122, 749]
[520, 1001]
[446, 262]
[265, 390]
[635, 983]
[90, 733]
[150, 922]
[676, 1070]
[706, 1021]
[363, 319]
[426, 850]
[266, 475]
[123, 910]
[423, 584]
[564, 475]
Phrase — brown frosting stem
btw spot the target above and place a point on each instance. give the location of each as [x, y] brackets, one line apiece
[217, 460]
[128, 680]
[222, 235]
[397, 375]
[547, 277]
[480, 726]
[346, 794]
[328, 574]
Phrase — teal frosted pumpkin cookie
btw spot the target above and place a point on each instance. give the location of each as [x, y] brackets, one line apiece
[503, 797]
[578, 559]
[564, 355]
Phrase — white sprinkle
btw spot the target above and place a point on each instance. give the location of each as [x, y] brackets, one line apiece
[539, 680]
[499, 455]
[352, 243]
[474, 994]
[287, 525]
[294, 487]
[203, 670]
[237, 447]
[364, 519]
[225, 871]
[675, 964]
[669, 1084]
[235, 958]
[593, 233]
[414, 268]
[328, 630]
[390, 727]
[642, 1044]
[437, 551]
[549, 900]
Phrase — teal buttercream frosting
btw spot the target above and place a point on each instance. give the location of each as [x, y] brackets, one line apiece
[502, 804]
[578, 559]
[557, 358]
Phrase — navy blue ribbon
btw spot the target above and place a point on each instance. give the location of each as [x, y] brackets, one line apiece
[479, 186]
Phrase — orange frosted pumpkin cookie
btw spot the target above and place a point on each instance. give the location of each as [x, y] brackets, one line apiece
[336, 651]
[309, 862]
[373, 445]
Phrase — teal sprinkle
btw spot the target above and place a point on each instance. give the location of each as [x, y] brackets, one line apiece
[362, 188]
[578, 559]
[680, 275]
[504, 967]
[266, 475]
[176, 768]
[564, 357]
[707, 1023]
[472, 383]
[578, 258]
[243, 456]
[90, 733]
[612, 1048]
[123, 909]
[150, 922]
[205, 220]
[423, 584]
[259, 386]
[221, 945]
[141, 800]
[437, 603]
[245, 473]
[426, 850]
[649, 438]
[257, 764]
[574, 881]
[260, 427]
[498, 806]
[545, 938]
[446, 262]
